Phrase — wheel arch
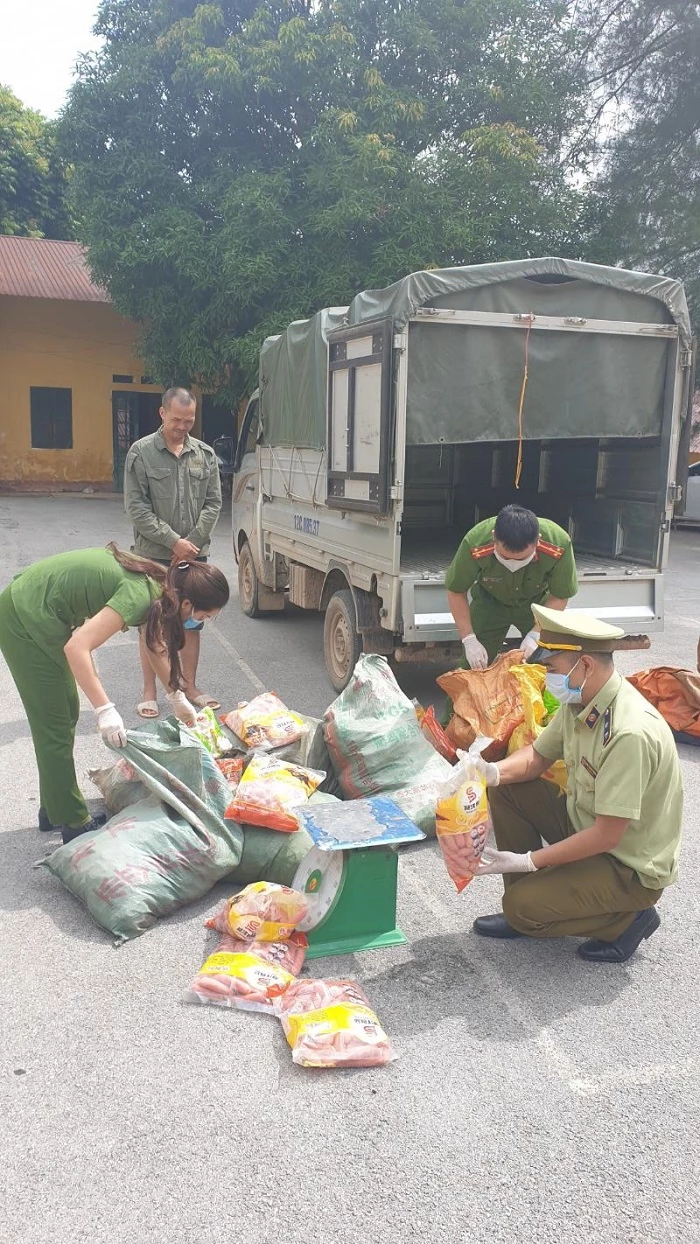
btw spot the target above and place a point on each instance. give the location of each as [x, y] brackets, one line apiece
[337, 579]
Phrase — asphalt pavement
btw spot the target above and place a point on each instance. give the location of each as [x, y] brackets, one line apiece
[537, 1099]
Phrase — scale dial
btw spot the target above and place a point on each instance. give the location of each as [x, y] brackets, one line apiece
[320, 878]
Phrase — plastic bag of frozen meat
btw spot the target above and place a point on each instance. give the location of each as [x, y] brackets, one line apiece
[462, 818]
[232, 768]
[265, 722]
[269, 791]
[248, 975]
[331, 1024]
[262, 912]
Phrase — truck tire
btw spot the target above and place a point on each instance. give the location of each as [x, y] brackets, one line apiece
[342, 644]
[248, 583]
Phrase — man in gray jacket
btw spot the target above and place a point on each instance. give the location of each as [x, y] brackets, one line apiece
[172, 494]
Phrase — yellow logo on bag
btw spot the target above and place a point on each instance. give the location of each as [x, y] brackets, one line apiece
[467, 808]
[331, 1019]
[249, 968]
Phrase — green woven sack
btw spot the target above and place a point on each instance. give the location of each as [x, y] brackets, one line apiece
[372, 734]
[168, 849]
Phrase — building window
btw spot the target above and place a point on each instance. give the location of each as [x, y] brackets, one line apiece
[117, 378]
[52, 418]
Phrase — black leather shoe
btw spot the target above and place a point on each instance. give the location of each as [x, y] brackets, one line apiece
[95, 822]
[643, 925]
[495, 926]
[44, 823]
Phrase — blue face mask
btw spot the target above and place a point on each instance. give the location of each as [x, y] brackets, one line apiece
[558, 686]
[192, 623]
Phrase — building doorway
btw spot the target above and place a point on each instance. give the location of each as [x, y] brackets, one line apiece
[133, 415]
[217, 421]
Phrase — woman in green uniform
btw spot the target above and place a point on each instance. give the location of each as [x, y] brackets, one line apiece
[56, 613]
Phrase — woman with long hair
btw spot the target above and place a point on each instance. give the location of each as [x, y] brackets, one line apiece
[55, 614]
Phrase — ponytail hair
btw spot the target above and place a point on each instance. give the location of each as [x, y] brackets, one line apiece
[204, 586]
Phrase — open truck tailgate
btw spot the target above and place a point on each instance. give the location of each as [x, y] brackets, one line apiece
[623, 594]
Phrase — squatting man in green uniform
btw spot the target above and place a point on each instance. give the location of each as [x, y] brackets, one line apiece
[614, 840]
[55, 614]
[507, 564]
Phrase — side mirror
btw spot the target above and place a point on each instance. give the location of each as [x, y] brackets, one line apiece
[223, 448]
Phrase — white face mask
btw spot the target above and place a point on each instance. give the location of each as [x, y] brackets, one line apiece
[512, 564]
[560, 688]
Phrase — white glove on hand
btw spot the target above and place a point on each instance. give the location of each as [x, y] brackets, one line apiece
[530, 644]
[493, 861]
[110, 725]
[489, 771]
[475, 652]
[182, 708]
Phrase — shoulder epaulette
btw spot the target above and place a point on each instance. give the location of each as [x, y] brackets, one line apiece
[483, 550]
[550, 550]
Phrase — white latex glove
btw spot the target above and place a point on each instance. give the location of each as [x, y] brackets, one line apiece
[493, 861]
[489, 771]
[182, 708]
[475, 652]
[110, 725]
[530, 644]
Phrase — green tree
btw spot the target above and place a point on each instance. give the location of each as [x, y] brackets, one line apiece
[241, 164]
[645, 73]
[32, 176]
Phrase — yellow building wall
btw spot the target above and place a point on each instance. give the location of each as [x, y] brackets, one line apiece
[72, 345]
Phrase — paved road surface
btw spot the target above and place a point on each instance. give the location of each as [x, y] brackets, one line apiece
[537, 1100]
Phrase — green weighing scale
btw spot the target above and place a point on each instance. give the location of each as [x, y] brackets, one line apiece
[350, 875]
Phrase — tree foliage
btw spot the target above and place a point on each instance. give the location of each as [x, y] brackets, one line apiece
[239, 164]
[644, 74]
[32, 176]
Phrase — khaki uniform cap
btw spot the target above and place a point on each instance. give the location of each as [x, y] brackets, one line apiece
[571, 630]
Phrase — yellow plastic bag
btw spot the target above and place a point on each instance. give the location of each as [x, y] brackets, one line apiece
[265, 912]
[532, 683]
[331, 1024]
[270, 790]
[462, 818]
[266, 722]
[248, 975]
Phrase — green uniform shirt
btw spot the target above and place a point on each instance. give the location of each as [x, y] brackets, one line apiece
[168, 498]
[622, 761]
[551, 573]
[57, 594]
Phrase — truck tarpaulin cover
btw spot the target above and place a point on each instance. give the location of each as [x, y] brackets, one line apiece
[467, 380]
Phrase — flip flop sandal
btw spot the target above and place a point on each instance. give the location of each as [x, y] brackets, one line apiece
[205, 701]
[148, 709]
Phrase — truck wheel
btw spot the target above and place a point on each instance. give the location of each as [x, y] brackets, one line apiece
[342, 645]
[248, 582]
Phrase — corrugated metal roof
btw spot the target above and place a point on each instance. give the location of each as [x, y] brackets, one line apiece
[40, 268]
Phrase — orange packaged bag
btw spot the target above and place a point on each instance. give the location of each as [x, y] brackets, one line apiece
[248, 975]
[232, 768]
[435, 734]
[331, 1024]
[266, 722]
[486, 702]
[268, 792]
[674, 692]
[262, 912]
[462, 818]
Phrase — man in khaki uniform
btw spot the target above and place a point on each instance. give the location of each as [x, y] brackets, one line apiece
[172, 494]
[611, 846]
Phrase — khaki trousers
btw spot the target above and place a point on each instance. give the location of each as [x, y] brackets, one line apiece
[597, 897]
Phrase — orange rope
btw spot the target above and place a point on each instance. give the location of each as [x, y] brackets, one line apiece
[526, 375]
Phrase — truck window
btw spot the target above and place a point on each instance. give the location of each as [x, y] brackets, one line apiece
[249, 433]
[359, 417]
